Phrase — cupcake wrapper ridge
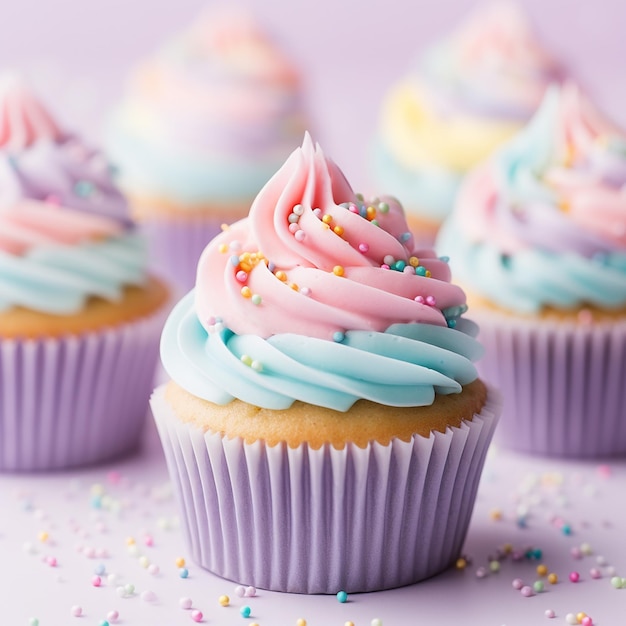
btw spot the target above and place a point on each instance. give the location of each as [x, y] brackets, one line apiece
[318, 521]
[564, 385]
[78, 399]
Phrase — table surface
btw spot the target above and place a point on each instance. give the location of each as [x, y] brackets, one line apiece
[87, 521]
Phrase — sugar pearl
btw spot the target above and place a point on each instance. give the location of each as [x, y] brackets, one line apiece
[185, 603]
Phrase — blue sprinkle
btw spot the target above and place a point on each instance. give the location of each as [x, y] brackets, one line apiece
[99, 569]
[521, 523]
[234, 260]
[420, 270]
[399, 266]
[405, 237]
[271, 266]
[566, 529]
[342, 596]
[445, 259]
[451, 323]
[83, 188]
[245, 611]
[96, 502]
[363, 211]
[183, 572]
[537, 554]
[338, 336]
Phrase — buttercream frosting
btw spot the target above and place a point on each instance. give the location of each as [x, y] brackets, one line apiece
[543, 223]
[321, 297]
[65, 234]
[469, 94]
[210, 117]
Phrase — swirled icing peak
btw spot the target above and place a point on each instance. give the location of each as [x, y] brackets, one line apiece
[492, 65]
[544, 222]
[65, 234]
[23, 120]
[211, 116]
[322, 297]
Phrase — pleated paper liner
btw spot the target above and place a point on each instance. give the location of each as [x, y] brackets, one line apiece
[75, 400]
[563, 383]
[319, 521]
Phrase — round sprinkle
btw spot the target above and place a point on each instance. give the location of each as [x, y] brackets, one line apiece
[129, 589]
[576, 553]
[246, 359]
[461, 563]
[363, 247]
[245, 611]
[549, 613]
[574, 577]
[148, 596]
[494, 566]
[586, 621]
[298, 209]
[144, 561]
[257, 366]
[383, 207]
[542, 570]
[99, 569]
[376, 622]
[113, 616]
[196, 615]
[553, 579]
[43, 536]
[342, 596]
[594, 572]
[300, 235]
[338, 270]
[33, 621]
[538, 586]
[566, 529]
[183, 572]
[300, 622]
[388, 259]
[240, 591]
[527, 591]
[616, 582]
[420, 270]
[241, 276]
[133, 550]
[121, 591]
[96, 581]
[51, 561]
[103, 622]
[149, 539]
[481, 572]
[348, 623]
[338, 336]
[224, 600]
[600, 560]
[585, 548]
[185, 603]
[517, 583]
[246, 292]
[256, 299]
[76, 610]
[250, 591]
[153, 569]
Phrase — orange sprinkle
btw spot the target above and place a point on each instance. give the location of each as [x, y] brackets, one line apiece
[338, 230]
[281, 275]
[246, 292]
[338, 270]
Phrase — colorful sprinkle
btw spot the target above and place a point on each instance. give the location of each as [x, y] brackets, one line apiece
[76, 610]
[549, 613]
[364, 248]
[196, 615]
[250, 591]
[96, 581]
[113, 616]
[185, 603]
[342, 596]
[542, 570]
[517, 583]
[300, 622]
[574, 577]
[183, 572]
[338, 270]
[553, 579]
[338, 336]
[538, 586]
[240, 591]
[527, 591]
[224, 600]
[245, 611]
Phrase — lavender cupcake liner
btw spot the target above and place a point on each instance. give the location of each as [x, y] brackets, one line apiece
[319, 521]
[176, 245]
[78, 399]
[564, 384]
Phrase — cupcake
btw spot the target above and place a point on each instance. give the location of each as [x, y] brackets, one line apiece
[79, 317]
[324, 426]
[204, 124]
[539, 242]
[468, 95]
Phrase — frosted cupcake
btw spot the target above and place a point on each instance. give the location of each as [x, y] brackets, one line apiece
[468, 94]
[324, 427]
[539, 241]
[79, 316]
[204, 124]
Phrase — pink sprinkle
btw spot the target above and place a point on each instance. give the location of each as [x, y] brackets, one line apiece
[96, 581]
[518, 583]
[185, 603]
[576, 553]
[517, 555]
[430, 300]
[527, 591]
[114, 477]
[384, 266]
[76, 610]
[353, 208]
[419, 299]
[363, 247]
[604, 471]
[52, 199]
[112, 616]
[293, 228]
[102, 553]
[594, 572]
[51, 561]
[89, 553]
[587, 621]
[148, 596]
[574, 577]
[148, 540]
[240, 591]
[196, 615]
[241, 276]
[250, 592]
[153, 569]
[317, 212]
[305, 291]
[549, 613]
[300, 236]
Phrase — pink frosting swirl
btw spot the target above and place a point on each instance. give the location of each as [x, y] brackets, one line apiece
[313, 259]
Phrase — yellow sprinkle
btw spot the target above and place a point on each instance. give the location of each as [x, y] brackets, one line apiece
[326, 226]
[224, 600]
[43, 536]
[130, 541]
[224, 227]
[338, 270]
[370, 212]
[507, 548]
[244, 256]
[246, 267]
[246, 359]
[495, 514]
[553, 579]
[223, 248]
[542, 570]
[564, 205]
[580, 617]
[338, 230]
[300, 622]
[349, 624]
[294, 286]
[428, 274]
[246, 292]
[414, 261]
[254, 624]
[461, 563]
[180, 562]
[281, 275]
[327, 219]
[97, 489]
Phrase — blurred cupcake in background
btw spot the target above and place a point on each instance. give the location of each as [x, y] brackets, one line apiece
[205, 122]
[468, 94]
[538, 240]
[79, 315]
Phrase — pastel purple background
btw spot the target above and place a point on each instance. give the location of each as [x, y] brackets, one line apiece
[78, 53]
